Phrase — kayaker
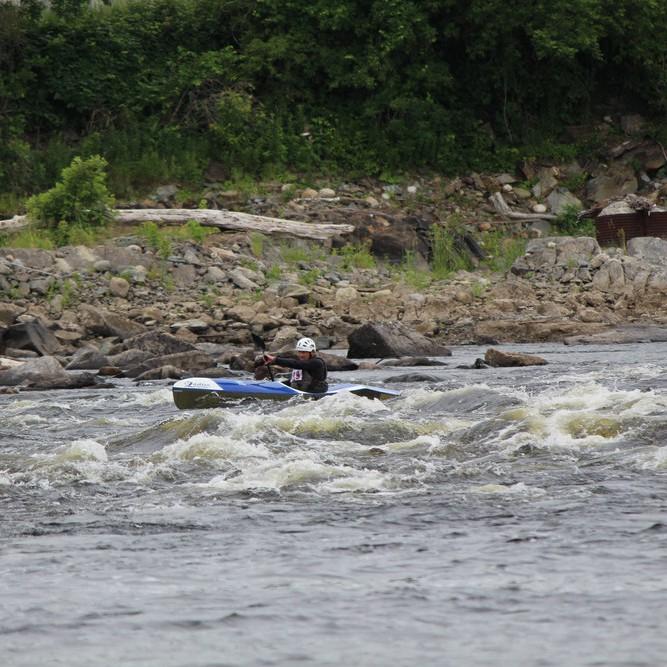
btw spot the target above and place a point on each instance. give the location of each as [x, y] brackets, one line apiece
[309, 372]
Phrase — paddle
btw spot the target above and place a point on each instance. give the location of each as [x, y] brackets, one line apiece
[258, 342]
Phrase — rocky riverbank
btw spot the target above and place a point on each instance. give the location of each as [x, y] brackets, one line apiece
[121, 310]
[150, 303]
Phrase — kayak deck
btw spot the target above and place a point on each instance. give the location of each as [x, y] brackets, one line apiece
[194, 393]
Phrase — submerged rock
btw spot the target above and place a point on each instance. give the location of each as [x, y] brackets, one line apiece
[413, 377]
[390, 339]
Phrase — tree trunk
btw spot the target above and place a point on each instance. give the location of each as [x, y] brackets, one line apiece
[214, 218]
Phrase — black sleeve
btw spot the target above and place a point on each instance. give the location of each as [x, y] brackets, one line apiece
[309, 365]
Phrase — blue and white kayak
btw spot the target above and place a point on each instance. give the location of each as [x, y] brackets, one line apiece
[210, 393]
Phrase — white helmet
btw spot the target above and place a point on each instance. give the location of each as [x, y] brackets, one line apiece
[306, 345]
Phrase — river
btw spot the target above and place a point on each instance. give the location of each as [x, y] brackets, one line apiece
[497, 517]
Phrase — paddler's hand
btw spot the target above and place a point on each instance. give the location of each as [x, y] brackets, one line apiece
[269, 359]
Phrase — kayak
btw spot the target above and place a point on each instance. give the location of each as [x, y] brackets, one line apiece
[210, 393]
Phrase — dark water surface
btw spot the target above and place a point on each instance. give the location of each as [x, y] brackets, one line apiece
[498, 517]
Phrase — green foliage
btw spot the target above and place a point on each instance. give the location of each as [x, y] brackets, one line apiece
[157, 239]
[412, 274]
[195, 231]
[356, 256]
[80, 198]
[569, 223]
[27, 238]
[257, 241]
[160, 88]
[501, 250]
[274, 273]
[293, 254]
[309, 277]
[447, 255]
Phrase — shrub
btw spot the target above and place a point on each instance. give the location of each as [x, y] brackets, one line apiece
[569, 223]
[80, 198]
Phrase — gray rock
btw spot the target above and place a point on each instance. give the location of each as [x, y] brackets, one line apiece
[103, 323]
[239, 279]
[215, 274]
[299, 292]
[196, 326]
[649, 249]
[156, 343]
[87, 358]
[391, 339]
[411, 362]
[45, 373]
[161, 373]
[31, 335]
[610, 277]
[560, 199]
[190, 362]
[128, 358]
[617, 181]
[165, 193]
[119, 287]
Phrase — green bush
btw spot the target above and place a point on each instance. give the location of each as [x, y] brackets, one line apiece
[569, 223]
[81, 198]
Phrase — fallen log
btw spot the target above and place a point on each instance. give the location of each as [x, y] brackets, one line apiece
[503, 208]
[214, 218]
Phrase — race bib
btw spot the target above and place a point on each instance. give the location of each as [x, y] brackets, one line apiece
[297, 375]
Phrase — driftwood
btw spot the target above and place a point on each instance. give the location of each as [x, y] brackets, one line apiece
[213, 218]
[503, 208]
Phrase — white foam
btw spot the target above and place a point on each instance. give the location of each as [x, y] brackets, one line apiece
[83, 450]
[513, 489]
[211, 447]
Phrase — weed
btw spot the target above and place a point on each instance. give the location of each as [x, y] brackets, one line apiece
[294, 254]
[274, 273]
[257, 244]
[501, 251]
[569, 223]
[309, 277]
[478, 289]
[27, 238]
[357, 257]
[195, 231]
[412, 274]
[208, 299]
[446, 257]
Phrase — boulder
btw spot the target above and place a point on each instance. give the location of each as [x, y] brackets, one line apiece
[103, 323]
[411, 362]
[119, 287]
[157, 343]
[87, 358]
[161, 373]
[499, 359]
[128, 358]
[8, 313]
[391, 339]
[610, 277]
[31, 335]
[545, 254]
[619, 180]
[194, 325]
[45, 373]
[242, 281]
[189, 362]
[649, 249]
[560, 199]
